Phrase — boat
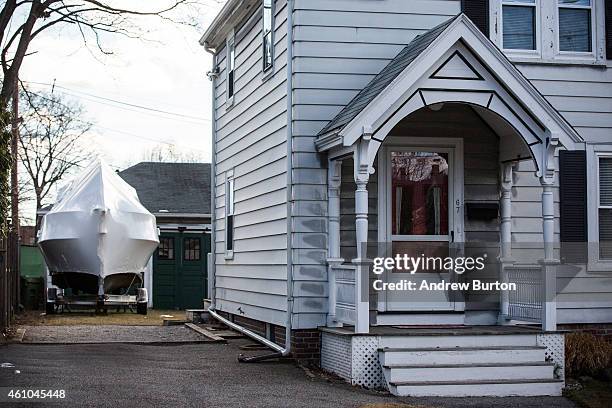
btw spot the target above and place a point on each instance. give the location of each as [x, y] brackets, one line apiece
[98, 238]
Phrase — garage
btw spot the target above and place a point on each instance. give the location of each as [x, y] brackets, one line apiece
[178, 194]
[179, 270]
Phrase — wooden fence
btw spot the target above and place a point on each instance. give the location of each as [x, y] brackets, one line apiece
[9, 279]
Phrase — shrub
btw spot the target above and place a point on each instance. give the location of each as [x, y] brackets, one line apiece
[586, 355]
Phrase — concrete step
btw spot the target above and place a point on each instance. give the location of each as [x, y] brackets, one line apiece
[461, 355]
[459, 340]
[469, 372]
[494, 388]
[426, 318]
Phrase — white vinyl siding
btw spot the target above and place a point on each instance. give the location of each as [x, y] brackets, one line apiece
[251, 142]
[340, 45]
[583, 96]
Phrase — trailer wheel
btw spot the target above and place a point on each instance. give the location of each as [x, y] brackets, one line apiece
[50, 308]
[141, 308]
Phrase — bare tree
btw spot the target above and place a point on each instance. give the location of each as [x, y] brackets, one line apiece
[167, 153]
[21, 21]
[51, 141]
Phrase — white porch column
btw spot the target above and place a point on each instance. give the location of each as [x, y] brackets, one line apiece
[549, 263]
[362, 174]
[505, 257]
[334, 182]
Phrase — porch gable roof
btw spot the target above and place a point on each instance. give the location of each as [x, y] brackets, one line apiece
[385, 77]
[442, 36]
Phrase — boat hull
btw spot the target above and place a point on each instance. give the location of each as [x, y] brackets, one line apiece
[86, 283]
[98, 238]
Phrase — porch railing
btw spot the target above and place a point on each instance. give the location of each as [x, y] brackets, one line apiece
[526, 302]
[342, 287]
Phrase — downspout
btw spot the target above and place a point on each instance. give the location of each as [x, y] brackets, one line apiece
[279, 351]
[289, 322]
[212, 75]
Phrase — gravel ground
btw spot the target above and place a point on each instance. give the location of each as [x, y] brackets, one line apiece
[110, 334]
[154, 317]
[198, 375]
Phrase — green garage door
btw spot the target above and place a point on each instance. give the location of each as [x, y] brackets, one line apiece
[179, 271]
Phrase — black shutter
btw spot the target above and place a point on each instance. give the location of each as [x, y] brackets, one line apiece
[478, 12]
[609, 29]
[572, 194]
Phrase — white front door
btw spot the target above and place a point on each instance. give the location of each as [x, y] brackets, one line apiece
[423, 214]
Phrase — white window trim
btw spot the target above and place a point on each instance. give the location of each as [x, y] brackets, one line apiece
[576, 55]
[229, 180]
[267, 72]
[230, 42]
[594, 152]
[548, 33]
[498, 28]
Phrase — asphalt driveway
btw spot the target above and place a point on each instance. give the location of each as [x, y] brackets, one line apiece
[195, 375]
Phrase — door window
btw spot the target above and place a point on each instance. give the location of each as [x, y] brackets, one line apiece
[419, 182]
[165, 249]
[191, 249]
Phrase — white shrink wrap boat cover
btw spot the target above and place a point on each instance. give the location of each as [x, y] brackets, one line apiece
[98, 226]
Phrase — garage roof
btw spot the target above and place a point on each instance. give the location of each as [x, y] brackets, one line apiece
[173, 188]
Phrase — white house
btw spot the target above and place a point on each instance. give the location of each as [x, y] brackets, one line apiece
[427, 128]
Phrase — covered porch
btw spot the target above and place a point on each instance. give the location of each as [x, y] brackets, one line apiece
[453, 188]
[432, 151]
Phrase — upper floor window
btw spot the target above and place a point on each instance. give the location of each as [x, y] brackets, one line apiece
[519, 22]
[231, 67]
[575, 25]
[605, 207]
[268, 30]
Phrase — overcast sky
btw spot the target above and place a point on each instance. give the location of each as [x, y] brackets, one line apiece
[167, 73]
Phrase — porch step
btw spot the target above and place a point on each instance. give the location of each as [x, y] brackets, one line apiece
[462, 355]
[458, 340]
[425, 318]
[496, 388]
[467, 365]
[473, 372]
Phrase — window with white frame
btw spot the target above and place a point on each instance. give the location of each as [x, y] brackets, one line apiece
[231, 68]
[229, 215]
[575, 25]
[519, 23]
[605, 207]
[268, 30]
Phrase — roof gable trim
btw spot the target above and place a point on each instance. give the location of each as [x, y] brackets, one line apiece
[462, 30]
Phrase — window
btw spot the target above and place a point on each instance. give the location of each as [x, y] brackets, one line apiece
[191, 249]
[268, 30]
[605, 207]
[165, 250]
[229, 218]
[231, 68]
[575, 25]
[519, 19]
[420, 193]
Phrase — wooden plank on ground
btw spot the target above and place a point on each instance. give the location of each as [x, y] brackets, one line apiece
[211, 336]
[229, 334]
